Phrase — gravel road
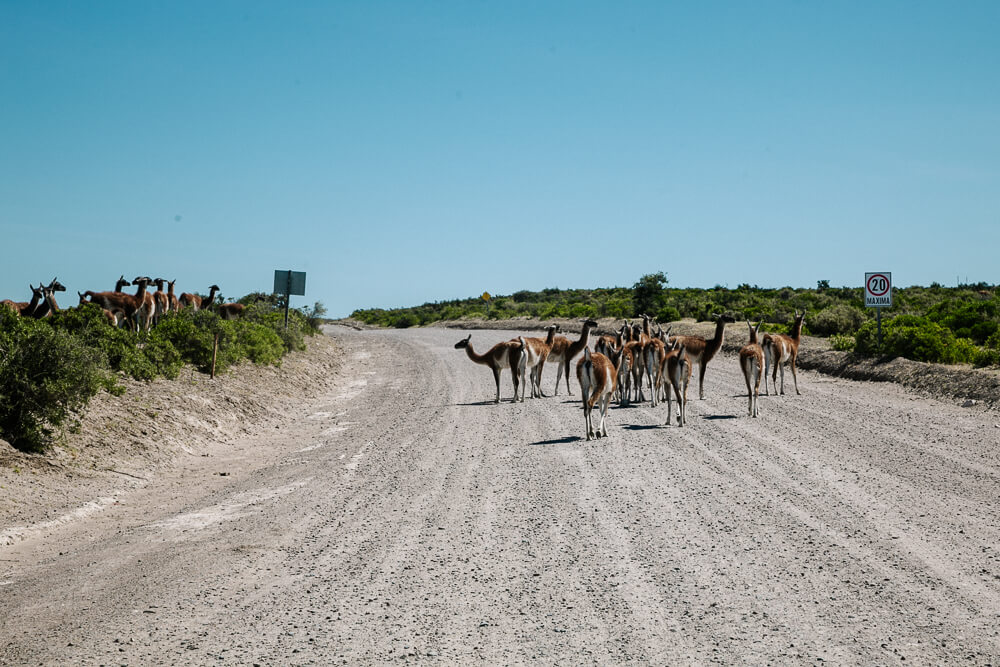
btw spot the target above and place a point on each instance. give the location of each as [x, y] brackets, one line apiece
[405, 517]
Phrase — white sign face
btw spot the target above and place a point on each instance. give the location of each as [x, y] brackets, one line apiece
[878, 290]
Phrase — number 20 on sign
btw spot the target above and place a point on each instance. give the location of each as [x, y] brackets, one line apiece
[878, 290]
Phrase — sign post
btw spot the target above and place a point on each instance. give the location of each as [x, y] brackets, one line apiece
[487, 297]
[289, 283]
[878, 295]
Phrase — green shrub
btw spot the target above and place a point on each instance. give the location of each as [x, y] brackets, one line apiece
[192, 334]
[977, 319]
[986, 357]
[842, 342]
[405, 320]
[582, 310]
[838, 319]
[292, 337]
[45, 375]
[964, 351]
[916, 338]
[668, 314]
[259, 344]
[140, 356]
[647, 294]
[163, 357]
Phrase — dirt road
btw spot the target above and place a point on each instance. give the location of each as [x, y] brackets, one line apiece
[407, 517]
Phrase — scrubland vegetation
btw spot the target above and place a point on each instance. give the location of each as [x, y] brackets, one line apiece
[51, 367]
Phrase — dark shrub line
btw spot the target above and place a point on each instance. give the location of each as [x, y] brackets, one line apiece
[51, 368]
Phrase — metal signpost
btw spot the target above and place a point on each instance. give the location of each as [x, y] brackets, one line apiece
[289, 283]
[878, 295]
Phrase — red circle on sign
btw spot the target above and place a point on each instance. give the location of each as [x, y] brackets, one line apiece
[874, 278]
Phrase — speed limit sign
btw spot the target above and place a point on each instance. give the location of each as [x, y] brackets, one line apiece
[878, 290]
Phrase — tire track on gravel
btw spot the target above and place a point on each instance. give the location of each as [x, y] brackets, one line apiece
[415, 520]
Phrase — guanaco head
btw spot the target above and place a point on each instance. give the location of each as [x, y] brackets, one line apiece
[800, 319]
[463, 343]
[83, 297]
[589, 324]
[159, 283]
[142, 280]
[121, 283]
[56, 286]
[754, 330]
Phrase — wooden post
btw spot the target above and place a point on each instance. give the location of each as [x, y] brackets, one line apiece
[215, 352]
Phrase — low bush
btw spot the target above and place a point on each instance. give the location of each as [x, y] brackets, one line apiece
[140, 356]
[976, 320]
[259, 344]
[842, 342]
[838, 319]
[300, 324]
[45, 375]
[917, 338]
[192, 334]
[51, 367]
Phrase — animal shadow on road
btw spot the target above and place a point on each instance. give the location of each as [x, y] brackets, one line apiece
[640, 427]
[489, 402]
[558, 441]
[718, 417]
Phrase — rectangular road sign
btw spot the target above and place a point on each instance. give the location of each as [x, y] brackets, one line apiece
[290, 282]
[878, 289]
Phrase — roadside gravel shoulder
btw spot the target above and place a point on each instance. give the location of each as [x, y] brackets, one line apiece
[123, 443]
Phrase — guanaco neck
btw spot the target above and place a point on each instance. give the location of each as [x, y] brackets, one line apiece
[484, 359]
[50, 304]
[797, 331]
[35, 298]
[551, 337]
[713, 346]
[582, 343]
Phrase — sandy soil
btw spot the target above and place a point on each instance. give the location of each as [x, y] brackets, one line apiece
[387, 510]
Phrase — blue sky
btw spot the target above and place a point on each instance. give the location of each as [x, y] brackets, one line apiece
[403, 152]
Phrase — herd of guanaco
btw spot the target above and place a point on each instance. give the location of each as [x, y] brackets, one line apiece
[622, 366]
[139, 311]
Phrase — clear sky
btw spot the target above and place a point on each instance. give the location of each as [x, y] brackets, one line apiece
[404, 152]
